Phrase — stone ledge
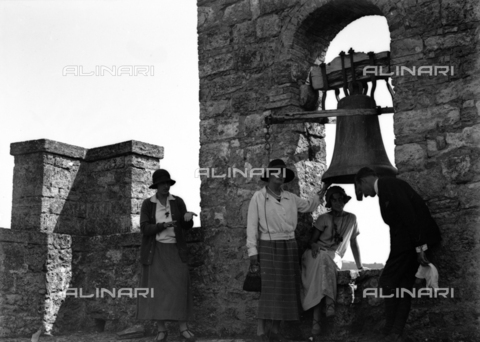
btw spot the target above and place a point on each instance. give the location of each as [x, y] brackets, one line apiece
[127, 147]
[45, 145]
[94, 154]
[112, 337]
[344, 277]
[8, 235]
[123, 240]
[33, 237]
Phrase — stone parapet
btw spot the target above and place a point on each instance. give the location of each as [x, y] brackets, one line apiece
[125, 148]
[68, 189]
[49, 146]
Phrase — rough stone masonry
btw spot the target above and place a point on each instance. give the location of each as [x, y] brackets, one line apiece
[253, 54]
[74, 210]
[75, 228]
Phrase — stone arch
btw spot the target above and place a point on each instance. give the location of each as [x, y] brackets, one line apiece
[326, 16]
[312, 25]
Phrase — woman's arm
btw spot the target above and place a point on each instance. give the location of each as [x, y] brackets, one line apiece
[356, 252]
[252, 229]
[318, 230]
[183, 209]
[310, 204]
[313, 242]
[146, 227]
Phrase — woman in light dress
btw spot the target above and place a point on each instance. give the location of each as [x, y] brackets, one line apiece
[320, 264]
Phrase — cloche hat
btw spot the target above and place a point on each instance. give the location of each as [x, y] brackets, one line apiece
[161, 176]
[274, 166]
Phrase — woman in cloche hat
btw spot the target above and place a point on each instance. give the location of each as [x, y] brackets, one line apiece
[272, 218]
[320, 264]
[163, 220]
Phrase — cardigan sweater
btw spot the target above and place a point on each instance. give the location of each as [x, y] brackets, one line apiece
[150, 228]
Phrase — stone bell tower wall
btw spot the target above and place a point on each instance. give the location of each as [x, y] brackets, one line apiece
[252, 55]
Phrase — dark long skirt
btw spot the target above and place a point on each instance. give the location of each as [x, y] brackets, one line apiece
[169, 277]
[280, 296]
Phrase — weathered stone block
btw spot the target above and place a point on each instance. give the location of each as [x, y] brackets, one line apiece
[206, 16]
[424, 120]
[216, 64]
[470, 137]
[214, 108]
[237, 12]
[448, 41]
[211, 130]
[268, 26]
[215, 39]
[268, 6]
[244, 33]
[469, 195]
[410, 157]
[406, 46]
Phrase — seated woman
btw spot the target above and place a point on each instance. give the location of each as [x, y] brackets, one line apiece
[328, 246]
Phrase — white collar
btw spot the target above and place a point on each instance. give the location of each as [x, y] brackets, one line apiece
[283, 194]
[155, 200]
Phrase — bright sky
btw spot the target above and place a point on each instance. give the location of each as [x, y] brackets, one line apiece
[39, 38]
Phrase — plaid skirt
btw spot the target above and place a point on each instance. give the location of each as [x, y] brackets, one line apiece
[279, 265]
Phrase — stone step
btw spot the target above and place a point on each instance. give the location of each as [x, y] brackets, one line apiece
[111, 337]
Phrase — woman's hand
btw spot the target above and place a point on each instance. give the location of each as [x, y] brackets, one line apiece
[254, 264]
[188, 216]
[422, 259]
[170, 224]
[323, 190]
[315, 249]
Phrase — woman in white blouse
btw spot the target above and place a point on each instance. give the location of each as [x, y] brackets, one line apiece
[272, 219]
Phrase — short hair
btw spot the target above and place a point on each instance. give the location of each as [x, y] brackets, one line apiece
[363, 173]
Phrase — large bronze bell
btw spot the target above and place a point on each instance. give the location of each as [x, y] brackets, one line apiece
[358, 143]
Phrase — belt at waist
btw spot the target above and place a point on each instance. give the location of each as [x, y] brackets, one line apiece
[277, 236]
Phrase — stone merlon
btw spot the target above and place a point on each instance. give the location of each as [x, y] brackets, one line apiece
[98, 153]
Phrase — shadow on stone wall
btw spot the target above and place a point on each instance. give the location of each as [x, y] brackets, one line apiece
[75, 221]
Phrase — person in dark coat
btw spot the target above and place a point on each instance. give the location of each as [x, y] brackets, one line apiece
[413, 235]
[163, 220]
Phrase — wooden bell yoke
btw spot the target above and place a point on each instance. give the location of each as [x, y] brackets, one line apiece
[358, 141]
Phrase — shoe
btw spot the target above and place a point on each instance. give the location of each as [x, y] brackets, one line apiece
[330, 310]
[165, 335]
[190, 338]
[314, 338]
